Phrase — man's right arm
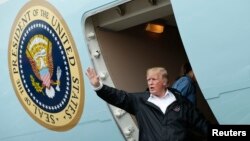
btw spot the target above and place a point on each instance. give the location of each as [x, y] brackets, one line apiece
[111, 95]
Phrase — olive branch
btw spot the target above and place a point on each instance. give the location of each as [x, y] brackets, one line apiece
[36, 85]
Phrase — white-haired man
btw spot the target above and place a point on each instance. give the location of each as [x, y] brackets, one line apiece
[162, 113]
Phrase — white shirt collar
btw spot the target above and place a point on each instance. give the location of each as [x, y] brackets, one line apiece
[166, 94]
[162, 102]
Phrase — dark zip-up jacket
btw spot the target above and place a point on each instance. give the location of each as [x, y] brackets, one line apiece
[153, 124]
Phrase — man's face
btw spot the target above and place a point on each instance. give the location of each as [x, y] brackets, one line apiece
[156, 84]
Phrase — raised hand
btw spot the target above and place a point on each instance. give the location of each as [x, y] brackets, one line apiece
[93, 77]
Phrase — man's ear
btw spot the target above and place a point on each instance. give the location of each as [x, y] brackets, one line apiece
[167, 83]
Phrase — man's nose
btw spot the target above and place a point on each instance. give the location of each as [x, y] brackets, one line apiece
[150, 82]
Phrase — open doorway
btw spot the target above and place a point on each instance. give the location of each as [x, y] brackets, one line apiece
[128, 49]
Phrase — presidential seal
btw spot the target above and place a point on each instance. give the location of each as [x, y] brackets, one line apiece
[44, 67]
